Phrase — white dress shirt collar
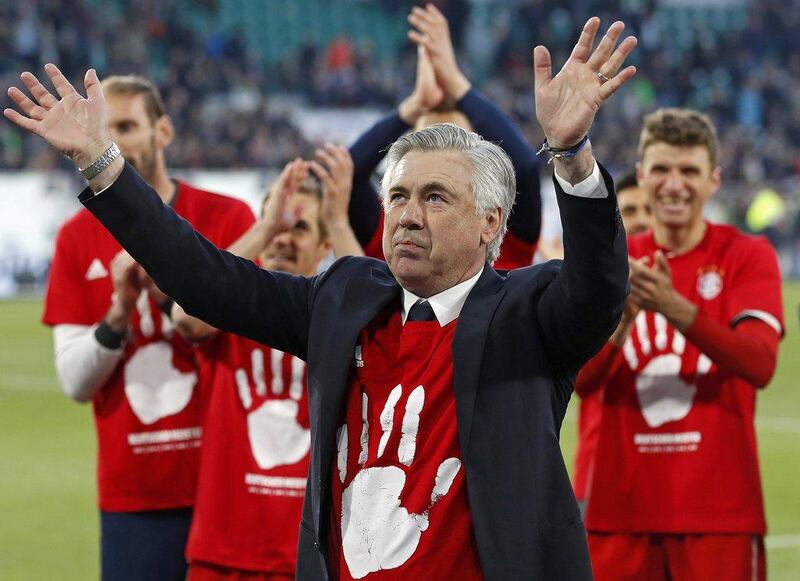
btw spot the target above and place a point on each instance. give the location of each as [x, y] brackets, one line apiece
[447, 304]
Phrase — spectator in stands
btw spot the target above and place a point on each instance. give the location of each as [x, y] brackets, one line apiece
[674, 492]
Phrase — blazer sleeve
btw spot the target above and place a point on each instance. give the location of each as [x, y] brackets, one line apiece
[228, 292]
[583, 304]
[493, 125]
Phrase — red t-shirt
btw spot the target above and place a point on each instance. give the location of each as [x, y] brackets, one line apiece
[677, 450]
[254, 460]
[147, 415]
[514, 253]
[589, 415]
[400, 507]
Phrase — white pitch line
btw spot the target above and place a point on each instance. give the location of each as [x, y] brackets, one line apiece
[22, 382]
[782, 541]
[781, 425]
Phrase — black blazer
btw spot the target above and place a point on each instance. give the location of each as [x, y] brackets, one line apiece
[520, 339]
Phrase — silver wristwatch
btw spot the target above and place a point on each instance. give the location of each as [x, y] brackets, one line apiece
[101, 163]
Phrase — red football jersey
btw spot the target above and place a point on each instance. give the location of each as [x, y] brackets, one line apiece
[589, 415]
[514, 253]
[254, 461]
[400, 507]
[148, 413]
[677, 450]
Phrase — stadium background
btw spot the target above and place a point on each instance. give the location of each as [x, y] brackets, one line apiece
[251, 84]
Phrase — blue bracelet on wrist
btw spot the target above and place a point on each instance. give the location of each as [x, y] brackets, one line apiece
[555, 153]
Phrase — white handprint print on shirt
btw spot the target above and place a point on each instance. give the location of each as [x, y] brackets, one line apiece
[377, 532]
[663, 395]
[276, 437]
[154, 387]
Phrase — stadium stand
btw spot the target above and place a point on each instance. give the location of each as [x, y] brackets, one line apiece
[234, 74]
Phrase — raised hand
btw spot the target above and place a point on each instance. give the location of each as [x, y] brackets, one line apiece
[567, 103]
[76, 126]
[427, 95]
[276, 216]
[336, 174]
[432, 32]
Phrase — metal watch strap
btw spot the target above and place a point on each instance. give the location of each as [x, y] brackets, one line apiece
[101, 163]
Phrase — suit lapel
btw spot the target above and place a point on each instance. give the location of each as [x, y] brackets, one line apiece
[468, 346]
[363, 299]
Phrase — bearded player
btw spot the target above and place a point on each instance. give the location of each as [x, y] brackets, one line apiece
[115, 348]
[255, 456]
[675, 492]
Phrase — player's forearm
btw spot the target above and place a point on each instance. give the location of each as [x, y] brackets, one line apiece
[344, 240]
[252, 242]
[190, 327]
[83, 365]
[596, 370]
[748, 351]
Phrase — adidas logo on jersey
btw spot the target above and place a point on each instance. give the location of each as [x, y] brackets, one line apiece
[96, 270]
[358, 361]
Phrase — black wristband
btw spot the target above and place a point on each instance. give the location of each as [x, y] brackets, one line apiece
[166, 307]
[108, 337]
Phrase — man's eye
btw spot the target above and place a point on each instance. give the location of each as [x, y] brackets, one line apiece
[435, 198]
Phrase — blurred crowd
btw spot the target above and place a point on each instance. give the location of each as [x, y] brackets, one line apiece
[233, 107]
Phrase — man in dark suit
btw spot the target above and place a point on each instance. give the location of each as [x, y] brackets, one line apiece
[477, 368]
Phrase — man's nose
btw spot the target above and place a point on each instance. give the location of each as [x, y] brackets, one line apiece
[413, 216]
[674, 181]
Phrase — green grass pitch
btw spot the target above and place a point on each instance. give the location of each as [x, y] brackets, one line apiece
[48, 518]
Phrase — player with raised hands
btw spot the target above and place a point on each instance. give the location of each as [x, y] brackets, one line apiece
[115, 347]
[496, 387]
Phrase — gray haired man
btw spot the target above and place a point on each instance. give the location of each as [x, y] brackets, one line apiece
[436, 385]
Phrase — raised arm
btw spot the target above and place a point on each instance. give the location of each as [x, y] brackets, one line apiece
[370, 148]
[582, 306]
[431, 32]
[335, 170]
[228, 292]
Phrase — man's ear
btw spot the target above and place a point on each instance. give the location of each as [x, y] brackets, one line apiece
[716, 179]
[491, 225]
[165, 132]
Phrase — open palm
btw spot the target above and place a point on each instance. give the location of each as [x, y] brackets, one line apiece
[567, 103]
[72, 124]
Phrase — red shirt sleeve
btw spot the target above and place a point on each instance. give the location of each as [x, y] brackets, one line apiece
[514, 253]
[65, 301]
[595, 372]
[374, 248]
[755, 285]
[748, 351]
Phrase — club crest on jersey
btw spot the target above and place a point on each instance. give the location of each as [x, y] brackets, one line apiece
[358, 361]
[709, 282]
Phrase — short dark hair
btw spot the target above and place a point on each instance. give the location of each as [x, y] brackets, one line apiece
[626, 180]
[682, 128]
[136, 85]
